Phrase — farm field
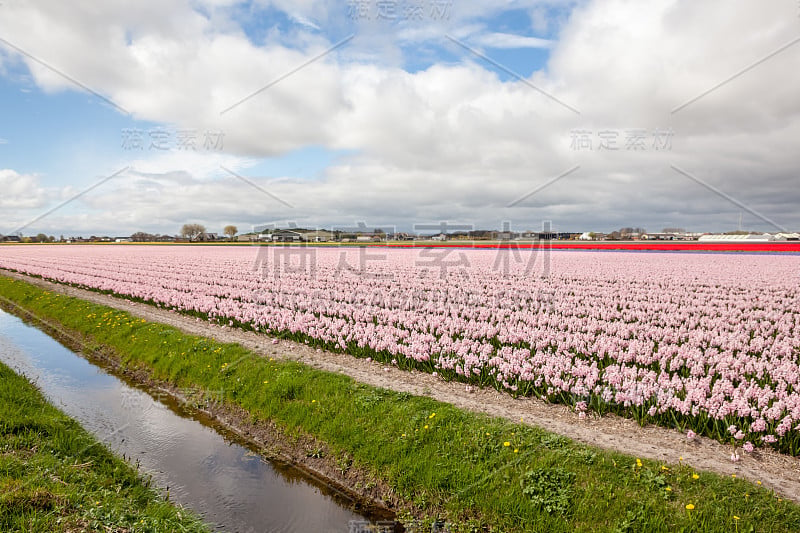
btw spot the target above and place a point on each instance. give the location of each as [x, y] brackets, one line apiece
[435, 461]
[706, 343]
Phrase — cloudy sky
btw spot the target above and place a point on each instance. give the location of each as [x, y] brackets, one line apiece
[121, 116]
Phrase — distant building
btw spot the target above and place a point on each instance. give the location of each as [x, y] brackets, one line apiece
[365, 238]
[286, 235]
[660, 237]
[319, 235]
[671, 236]
[763, 237]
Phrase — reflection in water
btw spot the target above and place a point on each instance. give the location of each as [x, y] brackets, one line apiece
[222, 481]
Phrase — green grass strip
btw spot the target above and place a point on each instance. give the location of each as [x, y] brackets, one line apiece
[473, 471]
[56, 477]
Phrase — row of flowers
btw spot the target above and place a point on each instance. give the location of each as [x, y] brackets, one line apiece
[694, 341]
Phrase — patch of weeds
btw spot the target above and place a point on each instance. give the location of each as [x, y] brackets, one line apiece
[549, 489]
[633, 522]
[316, 453]
[372, 398]
[344, 462]
[286, 387]
[554, 442]
[583, 455]
[652, 480]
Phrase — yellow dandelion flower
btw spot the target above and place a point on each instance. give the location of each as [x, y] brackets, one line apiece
[432, 415]
[689, 506]
[426, 426]
[695, 476]
[506, 444]
[516, 450]
[668, 489]
[735, 517]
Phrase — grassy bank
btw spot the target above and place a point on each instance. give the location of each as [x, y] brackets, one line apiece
[56, 477]
[470, 470]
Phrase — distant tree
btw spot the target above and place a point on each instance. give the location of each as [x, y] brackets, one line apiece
[141, 236]
[51, 239]
[230, 231]
[192, 231]
[41, 237]
[61, 238]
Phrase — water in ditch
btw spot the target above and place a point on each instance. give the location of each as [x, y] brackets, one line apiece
[230, 486]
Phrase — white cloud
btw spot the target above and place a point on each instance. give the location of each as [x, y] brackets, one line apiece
[304, 21]
[203, 165]
[453, 141]
[507, 40]
[24, 198]
[21, 191]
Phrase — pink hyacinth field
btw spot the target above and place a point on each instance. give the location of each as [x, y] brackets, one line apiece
[707, 343]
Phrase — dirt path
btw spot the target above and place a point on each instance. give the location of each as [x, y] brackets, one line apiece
[774, 470]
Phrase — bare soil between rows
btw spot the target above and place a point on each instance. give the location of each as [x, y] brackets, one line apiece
[774, 470]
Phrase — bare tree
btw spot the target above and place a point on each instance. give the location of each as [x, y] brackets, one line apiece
[192, 231]
[141, 236]
[230, 231]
